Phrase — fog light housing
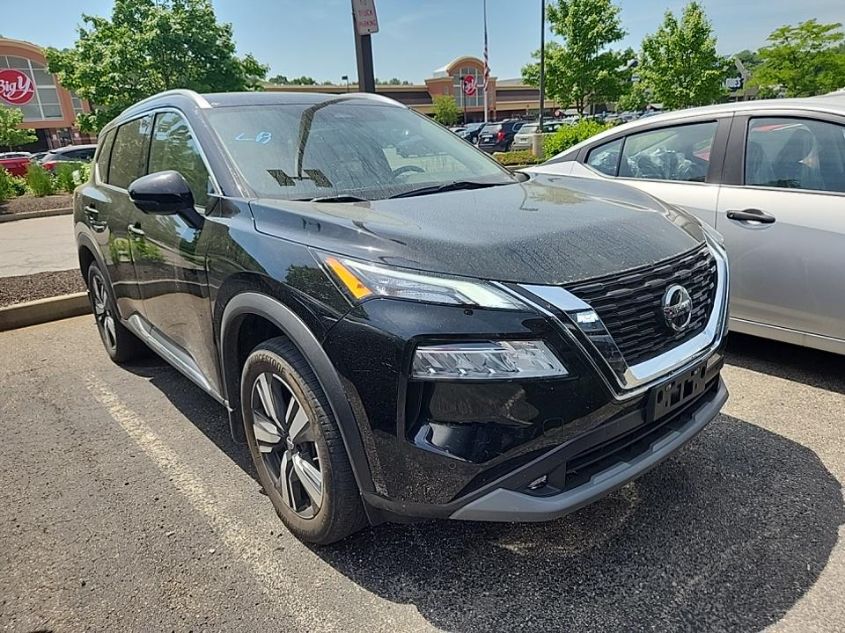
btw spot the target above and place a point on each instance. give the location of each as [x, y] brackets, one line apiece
[488, 360]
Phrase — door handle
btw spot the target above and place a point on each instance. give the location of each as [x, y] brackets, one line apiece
[136, 230]
[751, 215]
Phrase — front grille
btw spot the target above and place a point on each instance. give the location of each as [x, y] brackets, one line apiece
[630, 304]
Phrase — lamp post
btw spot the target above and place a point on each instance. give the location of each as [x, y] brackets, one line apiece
[537, 142]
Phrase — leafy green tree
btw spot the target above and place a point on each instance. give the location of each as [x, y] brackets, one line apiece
[635, 100]
[679, 62]
[582, 70]
[148, 46]
[801, 61]
[11, 134]
[446, 110]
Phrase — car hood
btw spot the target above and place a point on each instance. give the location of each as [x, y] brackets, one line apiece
[546, 230]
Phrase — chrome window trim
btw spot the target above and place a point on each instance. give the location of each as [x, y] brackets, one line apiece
[217, 191]
[638, 378]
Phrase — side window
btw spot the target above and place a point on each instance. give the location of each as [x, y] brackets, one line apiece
[673, 153]
[103, 156]
[129, 152]
[174, 147]
[795, 154]
[605, 158]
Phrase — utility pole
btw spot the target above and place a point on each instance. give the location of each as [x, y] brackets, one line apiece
[364, 22]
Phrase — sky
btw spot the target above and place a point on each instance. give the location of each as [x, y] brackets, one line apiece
[314, 37]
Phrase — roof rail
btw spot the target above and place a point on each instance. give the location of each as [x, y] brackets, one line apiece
[373, 97]
[197, 98]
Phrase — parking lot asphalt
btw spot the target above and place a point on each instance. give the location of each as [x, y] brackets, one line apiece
[125, 506]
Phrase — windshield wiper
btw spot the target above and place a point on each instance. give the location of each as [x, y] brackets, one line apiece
[448, 186]
[343, 197]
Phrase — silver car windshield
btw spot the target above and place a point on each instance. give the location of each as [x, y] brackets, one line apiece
[346, 148]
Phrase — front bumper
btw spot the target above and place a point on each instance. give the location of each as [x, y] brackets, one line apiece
[645, 450]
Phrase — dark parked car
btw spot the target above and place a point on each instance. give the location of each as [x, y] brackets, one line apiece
[70, 153]
[498, 137]
[471, 131]
[400, 338]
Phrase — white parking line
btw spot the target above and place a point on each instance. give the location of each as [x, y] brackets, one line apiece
[293, 585]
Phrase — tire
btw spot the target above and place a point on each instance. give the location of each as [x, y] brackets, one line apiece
[121, 345]
[290, 454]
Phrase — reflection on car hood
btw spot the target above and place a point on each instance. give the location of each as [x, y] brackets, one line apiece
[547, 230]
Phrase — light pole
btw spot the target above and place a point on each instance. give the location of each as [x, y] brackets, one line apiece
[537, 143]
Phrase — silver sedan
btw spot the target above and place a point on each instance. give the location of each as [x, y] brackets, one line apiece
[770, 177]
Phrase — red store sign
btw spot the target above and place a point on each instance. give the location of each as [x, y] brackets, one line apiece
[16, 88]
[469, 85]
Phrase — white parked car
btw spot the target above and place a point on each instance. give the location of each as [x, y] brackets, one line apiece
[770, 177]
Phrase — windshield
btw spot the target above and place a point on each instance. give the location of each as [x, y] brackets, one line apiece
[343, 148]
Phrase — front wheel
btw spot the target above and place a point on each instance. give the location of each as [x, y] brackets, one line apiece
[121, 345]
[296, 446]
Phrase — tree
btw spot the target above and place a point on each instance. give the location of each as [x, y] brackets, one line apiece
[148, 46]
[635, 100]
[11, 134]
[582, 70]
[679, 62]
[801, 61]
[446, 110]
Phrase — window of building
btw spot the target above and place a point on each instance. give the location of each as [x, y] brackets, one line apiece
[469, 101]
[76, 102]
[174, 147]
[795, 154]
[129, 152]
[45, 102]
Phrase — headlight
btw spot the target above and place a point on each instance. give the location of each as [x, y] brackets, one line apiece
[489, 360]
[363, 280]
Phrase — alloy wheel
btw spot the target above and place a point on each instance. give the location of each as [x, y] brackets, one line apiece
[102, 312]
[286, 440]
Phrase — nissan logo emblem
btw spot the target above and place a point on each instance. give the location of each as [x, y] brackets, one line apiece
[677, 308]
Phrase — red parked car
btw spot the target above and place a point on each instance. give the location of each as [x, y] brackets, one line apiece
[15, 166]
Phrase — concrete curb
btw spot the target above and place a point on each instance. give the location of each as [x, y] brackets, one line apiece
[44, 310]
[28, 215]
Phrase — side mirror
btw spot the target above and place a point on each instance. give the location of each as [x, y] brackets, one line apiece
[162, 193]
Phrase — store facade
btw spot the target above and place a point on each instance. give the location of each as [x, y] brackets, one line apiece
[463, 79]
[48, 109]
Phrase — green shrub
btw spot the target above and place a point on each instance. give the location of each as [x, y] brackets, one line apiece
[39, 181]
[83, 174]
[18, 185]
[569, 135]
[516, 157]
[6, 188]
[68, 176]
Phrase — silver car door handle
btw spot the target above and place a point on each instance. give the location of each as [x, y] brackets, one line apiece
[751, 215]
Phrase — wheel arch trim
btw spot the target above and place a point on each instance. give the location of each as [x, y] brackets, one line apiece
[254, 303]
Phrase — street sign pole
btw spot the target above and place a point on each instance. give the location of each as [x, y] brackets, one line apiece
[365, 22]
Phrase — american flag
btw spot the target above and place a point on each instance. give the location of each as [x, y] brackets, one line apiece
[486, 66]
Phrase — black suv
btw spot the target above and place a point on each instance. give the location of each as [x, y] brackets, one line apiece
[498, 137]
[400, 337]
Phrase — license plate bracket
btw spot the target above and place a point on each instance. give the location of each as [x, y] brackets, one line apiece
[674, 394]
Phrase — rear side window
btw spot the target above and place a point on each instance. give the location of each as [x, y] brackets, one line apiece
[605, 158]
[174, 147]
[795, 154]
[129, 152]
[103, 156]
[680, 153]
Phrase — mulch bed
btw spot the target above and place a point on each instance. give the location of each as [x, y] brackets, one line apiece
[23, 204]
[39, 286]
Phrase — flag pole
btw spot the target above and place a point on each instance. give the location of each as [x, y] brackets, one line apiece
[486, 65]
